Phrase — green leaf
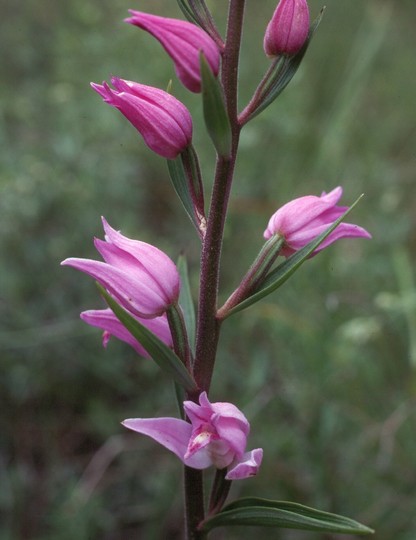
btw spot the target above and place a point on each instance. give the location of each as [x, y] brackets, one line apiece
[180, 397]
[164, 357]
[282, 273]
[253, 511]
[215, 112]
[186, 10]
[197, 12]
[180, 183]
[186, 300]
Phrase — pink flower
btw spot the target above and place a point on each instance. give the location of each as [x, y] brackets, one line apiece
[163, 121]
[288, 29]
[217, 435]
[183, 41]
[139, 276]
[302, 220]
[107, 321]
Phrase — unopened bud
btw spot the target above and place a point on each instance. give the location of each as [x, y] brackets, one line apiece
[288, 29]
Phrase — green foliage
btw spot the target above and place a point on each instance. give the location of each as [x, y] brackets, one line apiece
[253, 511]
[322, 368]
[164, 357]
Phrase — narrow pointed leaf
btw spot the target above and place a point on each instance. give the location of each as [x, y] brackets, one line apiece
[215, 112]
[197, 12]
[180, 397]
[186, 300]
[282, 273]
[262, 512]
[161, 354]
[186, 10]
[180, 183]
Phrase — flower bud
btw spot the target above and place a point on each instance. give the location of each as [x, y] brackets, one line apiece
[288, 29]
[163, 121]
[183, 41]
[302, 220]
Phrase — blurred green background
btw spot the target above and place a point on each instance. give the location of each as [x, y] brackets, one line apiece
[325, 369]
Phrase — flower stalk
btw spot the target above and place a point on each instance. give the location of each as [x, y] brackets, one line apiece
[208, 325]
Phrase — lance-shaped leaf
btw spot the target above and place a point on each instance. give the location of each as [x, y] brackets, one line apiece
[197, 12]
[277, 78]
[186, 300]
[161, 354]
[186, 10]
[215, 111]
[186, 179]
[262, 512]
[282, 273]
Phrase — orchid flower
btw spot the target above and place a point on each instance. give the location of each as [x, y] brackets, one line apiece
[143, 279]
[216, 435]
[183, 41]
[163, 121]
[302, 220]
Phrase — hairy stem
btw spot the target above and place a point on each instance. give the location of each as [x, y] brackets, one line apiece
[194, 503]
[208, 325]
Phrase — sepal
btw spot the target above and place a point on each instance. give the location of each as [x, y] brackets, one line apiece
[215, 111]
[253, 511]
[279, 75]
[161, 354]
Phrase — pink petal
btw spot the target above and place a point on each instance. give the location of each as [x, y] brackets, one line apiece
[248, 466]
[172, 433]
[140, 254]
[183, 41]
[106, 320]
[135, 297]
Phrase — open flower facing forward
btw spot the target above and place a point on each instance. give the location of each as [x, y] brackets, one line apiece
[302, 220]
[183, 41]
[217, 435]
[142, 279]
[107, 321]
[163, 121]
